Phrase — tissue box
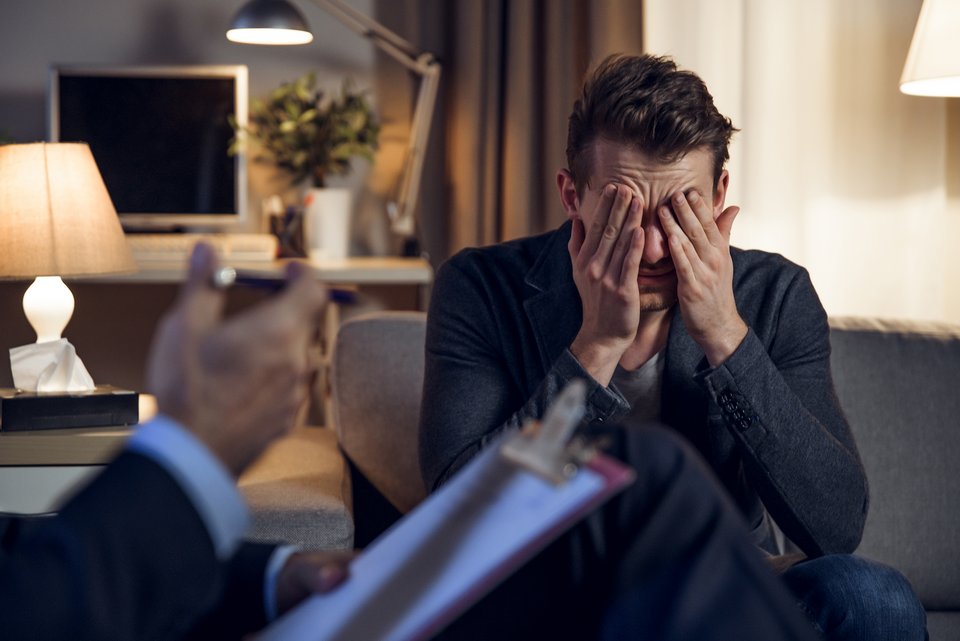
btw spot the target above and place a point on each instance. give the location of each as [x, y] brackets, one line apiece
[104, 406]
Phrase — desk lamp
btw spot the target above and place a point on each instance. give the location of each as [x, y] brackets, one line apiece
[933, 62]
[56, 219]
[277, 22]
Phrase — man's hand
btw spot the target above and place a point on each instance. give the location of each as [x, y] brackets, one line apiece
[606, 262]
[238, 383]
[700, 248]
[307, 573]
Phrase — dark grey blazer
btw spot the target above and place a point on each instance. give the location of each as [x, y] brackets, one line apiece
[767, 421]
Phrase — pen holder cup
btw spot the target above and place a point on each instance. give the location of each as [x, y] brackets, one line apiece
[288, 228]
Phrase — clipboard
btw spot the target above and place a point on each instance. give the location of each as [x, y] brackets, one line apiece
[494, 515]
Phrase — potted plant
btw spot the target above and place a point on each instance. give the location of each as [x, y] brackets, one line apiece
[312, 136]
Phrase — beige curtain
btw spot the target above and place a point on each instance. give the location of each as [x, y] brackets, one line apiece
[834, 167]
[511, 71]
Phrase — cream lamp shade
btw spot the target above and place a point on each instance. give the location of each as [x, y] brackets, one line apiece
[56, 219]
[933, 62]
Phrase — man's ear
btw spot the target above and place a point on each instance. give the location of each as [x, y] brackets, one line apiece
[720, 193]
[568, 193]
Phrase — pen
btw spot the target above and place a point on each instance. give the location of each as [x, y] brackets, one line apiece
[225, 277]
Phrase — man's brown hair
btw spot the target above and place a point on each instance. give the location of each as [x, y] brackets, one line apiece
[648, 104]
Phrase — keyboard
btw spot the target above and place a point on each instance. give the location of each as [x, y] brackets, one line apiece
[174, 248]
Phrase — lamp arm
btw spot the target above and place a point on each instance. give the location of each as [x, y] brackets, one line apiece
[424, 64]
[401, 213]
[395, 46]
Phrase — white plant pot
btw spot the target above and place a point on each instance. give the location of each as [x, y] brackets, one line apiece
[327, 223]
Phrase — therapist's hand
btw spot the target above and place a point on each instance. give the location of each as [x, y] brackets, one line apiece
[237, 383]
[307, 573]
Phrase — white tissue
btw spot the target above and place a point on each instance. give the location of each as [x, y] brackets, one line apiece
[52, 366]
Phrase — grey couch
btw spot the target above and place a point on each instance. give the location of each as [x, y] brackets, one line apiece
[896, 381]
[898, 384]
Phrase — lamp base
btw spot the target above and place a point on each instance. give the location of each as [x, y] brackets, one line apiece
[48, 304]
[104, 406]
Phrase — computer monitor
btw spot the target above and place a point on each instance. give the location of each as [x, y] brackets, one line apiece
[160, 136]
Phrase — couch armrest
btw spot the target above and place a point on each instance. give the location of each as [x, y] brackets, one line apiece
[299, 492]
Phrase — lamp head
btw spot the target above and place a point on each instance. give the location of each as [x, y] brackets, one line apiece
[933, 62]
[269, 22]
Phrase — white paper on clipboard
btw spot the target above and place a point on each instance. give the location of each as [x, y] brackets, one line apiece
[450, 551]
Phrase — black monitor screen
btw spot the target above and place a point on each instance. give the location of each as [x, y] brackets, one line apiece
[161, 142]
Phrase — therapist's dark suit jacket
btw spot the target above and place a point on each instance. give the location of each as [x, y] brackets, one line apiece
[128, 558]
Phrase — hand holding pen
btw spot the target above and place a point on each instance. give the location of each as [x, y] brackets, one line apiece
[224, 277]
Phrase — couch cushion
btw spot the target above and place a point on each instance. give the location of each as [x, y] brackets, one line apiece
[899, 384]
[299, 492]
[943, 626]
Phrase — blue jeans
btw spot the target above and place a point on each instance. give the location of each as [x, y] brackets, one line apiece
[851, 598]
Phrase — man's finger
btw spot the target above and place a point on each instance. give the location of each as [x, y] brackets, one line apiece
[577, 234]
[611, 233]
[309, 573]
[725, 221]
[625, 239]
[683, 253]
[677, 239]
[703, 209]
[631, 263]
[202, 304]
[692, 225]
[700, 207]
[203, 262]
[319, 571]
[600, 216]
[330, 577]
[303, 294]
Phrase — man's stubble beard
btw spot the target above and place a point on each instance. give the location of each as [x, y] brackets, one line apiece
[655, 299]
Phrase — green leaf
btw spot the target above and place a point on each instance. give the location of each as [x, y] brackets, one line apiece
[301, 130]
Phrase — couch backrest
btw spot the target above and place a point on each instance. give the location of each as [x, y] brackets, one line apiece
[899, 384]
[376, 379]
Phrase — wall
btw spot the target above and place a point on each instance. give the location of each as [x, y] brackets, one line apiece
[35, 34]
[834, 167]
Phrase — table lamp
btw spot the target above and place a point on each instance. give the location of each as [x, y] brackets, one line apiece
[933, 62]
[277, 22]
[56, 219]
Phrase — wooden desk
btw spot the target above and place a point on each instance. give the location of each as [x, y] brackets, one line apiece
[361, 270]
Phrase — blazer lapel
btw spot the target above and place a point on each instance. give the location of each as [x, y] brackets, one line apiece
[552, 303]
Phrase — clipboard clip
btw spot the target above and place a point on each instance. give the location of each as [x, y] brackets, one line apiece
[545, 448]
